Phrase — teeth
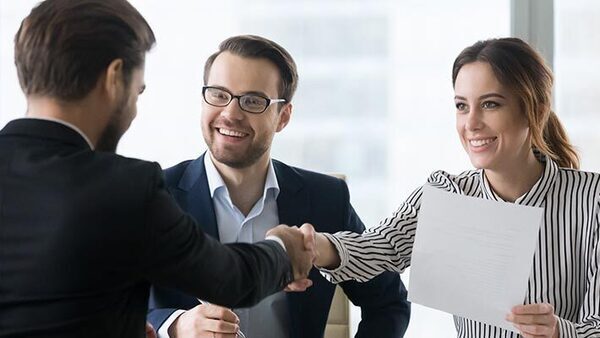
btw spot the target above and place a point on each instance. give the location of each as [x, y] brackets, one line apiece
[480, 143]
[231, 132]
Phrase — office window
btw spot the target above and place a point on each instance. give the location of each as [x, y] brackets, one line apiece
[577, 70]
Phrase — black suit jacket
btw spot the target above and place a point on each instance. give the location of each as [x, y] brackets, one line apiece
[84, 233]
[304, 197]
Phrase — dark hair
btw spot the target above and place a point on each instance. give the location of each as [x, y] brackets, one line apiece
[63, 46]
[523, 70]
[253, 46]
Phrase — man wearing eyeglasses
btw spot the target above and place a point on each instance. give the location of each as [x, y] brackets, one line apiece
[237, 193]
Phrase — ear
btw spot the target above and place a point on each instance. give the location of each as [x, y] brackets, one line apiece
[284, 117]
[113, 83]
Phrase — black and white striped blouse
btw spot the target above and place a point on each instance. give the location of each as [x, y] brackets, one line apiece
[565, 269]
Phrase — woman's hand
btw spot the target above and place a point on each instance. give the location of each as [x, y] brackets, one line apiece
[535, 320]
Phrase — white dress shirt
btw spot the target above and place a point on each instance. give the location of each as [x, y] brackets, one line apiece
[270, 317]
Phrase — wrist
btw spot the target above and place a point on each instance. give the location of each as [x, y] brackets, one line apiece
[327, 255]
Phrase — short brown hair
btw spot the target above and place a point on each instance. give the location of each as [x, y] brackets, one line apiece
[523, 70]
[63, 46]
[253, 46]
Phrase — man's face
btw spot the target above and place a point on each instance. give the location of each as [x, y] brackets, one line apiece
[123, 113]
[235, 137]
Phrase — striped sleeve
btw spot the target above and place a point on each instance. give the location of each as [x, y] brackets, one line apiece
[387, 247]
[588, 325]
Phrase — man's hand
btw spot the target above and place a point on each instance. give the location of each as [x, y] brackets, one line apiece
[300, 246]
[206, 320]
[150, 332]
[534, 320]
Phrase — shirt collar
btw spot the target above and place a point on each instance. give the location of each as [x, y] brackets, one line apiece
[215, 181]
[536, 195]
[64, 123]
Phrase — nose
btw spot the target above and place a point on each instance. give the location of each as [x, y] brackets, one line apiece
[474, 119]
[233, 110]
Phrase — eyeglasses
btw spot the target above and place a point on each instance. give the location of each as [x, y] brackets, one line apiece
[251, 103]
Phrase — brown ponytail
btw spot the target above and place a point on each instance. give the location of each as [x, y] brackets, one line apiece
[522, 69]
[556, 145]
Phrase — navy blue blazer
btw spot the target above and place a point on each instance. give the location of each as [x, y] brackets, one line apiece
[304, 197]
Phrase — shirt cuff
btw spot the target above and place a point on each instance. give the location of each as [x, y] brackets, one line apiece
[334, 275]
[163, 331]
[276, 239]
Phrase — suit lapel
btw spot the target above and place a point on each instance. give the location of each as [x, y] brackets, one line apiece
[194, 184]
[293, 200]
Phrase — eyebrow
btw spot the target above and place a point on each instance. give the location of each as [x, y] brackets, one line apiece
[243, 93]
[256, 93]
[482, 97]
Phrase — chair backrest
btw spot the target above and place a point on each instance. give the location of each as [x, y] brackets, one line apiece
[338, 322]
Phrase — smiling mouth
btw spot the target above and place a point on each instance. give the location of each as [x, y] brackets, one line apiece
[231, 133]
[481, 142]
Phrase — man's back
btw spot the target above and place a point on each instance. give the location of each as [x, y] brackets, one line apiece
[72, 232]
[81, 233]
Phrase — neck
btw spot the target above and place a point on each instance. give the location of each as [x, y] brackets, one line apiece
[513, 182]
[81, 114]
[245, 185]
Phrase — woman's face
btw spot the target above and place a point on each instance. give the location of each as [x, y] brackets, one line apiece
[492, 128]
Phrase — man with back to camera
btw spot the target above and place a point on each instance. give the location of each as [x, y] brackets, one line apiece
[83, 231]
[237, 192]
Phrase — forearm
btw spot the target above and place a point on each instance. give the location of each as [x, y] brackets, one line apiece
[179, 255]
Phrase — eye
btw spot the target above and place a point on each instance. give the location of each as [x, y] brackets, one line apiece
[218, 95]
[461, 106]
[490, 105]
[254, 101]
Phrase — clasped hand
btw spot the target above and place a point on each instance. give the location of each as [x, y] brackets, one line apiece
[300, 244]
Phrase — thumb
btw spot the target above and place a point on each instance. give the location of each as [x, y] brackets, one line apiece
[309, 236]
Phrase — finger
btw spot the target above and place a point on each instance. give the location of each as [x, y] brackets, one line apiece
[218, 326]
[538, 308]
[305, 265]
[309, 236]
[535, 330]
[224, 335]
[299, 285]
[212, 311]
[531, 319]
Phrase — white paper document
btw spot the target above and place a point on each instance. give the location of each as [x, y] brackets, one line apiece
[472, 257]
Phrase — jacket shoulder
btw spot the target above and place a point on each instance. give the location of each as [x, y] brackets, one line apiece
[173, 174]
[313, 180]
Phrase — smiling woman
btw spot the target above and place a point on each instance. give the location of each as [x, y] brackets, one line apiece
[522, 155]
[492, 128]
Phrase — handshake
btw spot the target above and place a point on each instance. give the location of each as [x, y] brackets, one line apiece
[305, 248]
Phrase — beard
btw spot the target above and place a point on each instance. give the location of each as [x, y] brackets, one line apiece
[110, 137]
[235, 160]
[115, 128]
[247, 159]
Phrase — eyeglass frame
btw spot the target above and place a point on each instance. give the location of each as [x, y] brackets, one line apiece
[270, 101]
